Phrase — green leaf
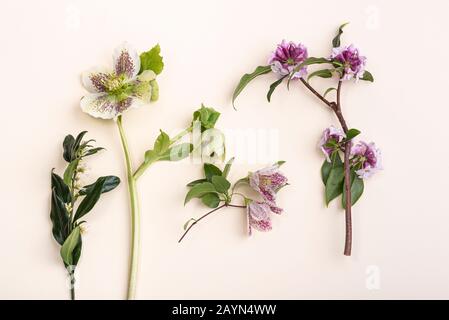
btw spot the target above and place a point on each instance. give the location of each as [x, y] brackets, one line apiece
[199, 190]
[221, 184]
[186, 225]
[77, 144]
[227, 168]
[92, 151]
[212, 200]
[162, 143]
[61, 189]
[367, 76]
[69, 171]
[69, 246]
[327, 166]
[357, 187]
[207, 116]
[336, 40]
[325, 73]
[154, 90]
[91, 199]
[273, 87]
[195, 182]
[307, 62]
[177, 152]
[280, 162]
[334, 183]
[67, 145]
[247, 78]
[328, 90]
[152, 60]
[59, 218]
[110, 183]
[351, 134]
[211, 170]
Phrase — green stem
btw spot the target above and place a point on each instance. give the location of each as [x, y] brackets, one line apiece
[135, 216]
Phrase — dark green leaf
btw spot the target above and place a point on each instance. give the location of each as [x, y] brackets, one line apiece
[59, 217]
[212, 200]
[110, 183]
[211, 170]
[221, 184]
[67, 145]
[336, 40]
[76, 254]
[152, 60]
[352, 133]
[195, 182]
[61, 189]
[367, 76]
[77, 143]
[177, 153]
[307, 62]
[69, 246]
[325, 73]
[199, 190]
[247, 78]
[357, 187]
[334, 183]
[92, 151]
[91, 199]
[273, 87]
[327, 166]
[227, 168]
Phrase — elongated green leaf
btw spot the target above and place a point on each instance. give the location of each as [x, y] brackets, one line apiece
[92, 151]
[69, 171]
[77, 143]
[328, 90]
[325, 73]
[227, 168]
[59, 218]
[352, 133]
[247, 78]
[221, 184]
[199, 190]
[90, 199]
[367, 76]
[327, 166]
[177, 152]
[334, 183]
[162, 143]
[273, 87]
[152, 60]
[212, 200]
[195, 182]
[61, 189]
[336, 40]
[69, 246]
[67, 145]
[357, 187]
[211, 170]
[110, 183]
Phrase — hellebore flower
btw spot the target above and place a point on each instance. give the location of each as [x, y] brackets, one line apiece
[331, 134]
[287, 56]
[366, 158]
[353, 62]
[112, 92]
[267, 182]
[258, 216]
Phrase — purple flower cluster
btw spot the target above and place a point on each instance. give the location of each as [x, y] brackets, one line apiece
[353, 63]
[267, 183]
[286, 57]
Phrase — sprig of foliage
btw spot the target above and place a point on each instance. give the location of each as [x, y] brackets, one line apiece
[71, 201]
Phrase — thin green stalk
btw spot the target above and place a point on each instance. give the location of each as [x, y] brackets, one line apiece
[135, 216]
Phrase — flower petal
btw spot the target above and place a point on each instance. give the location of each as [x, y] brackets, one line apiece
[126, 61]
[94, 80]
[100, 105]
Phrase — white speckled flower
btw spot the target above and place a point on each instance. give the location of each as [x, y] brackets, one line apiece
[112, 92]
[258, 214]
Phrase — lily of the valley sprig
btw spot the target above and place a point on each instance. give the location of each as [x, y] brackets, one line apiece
[290, 62]
[132, 83]
[66, 215]
[215, 191]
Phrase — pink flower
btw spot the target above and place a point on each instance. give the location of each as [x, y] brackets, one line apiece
[258, 216]
[267, 182]
[330, 134]
[353, 62]
[367, 158]
[288, 56]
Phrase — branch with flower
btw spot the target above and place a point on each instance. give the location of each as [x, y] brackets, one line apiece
[129, 84]
[216, 192]
[290, 62]
[67, 191]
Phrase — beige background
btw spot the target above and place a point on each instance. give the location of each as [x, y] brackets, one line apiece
[400, 225]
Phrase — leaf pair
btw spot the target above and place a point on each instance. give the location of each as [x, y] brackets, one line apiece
[162, 150]
[207, 117]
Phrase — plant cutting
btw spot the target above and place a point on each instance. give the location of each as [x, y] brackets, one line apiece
[72, 199]
[131, 83]
[290, 62]
[216, 192]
